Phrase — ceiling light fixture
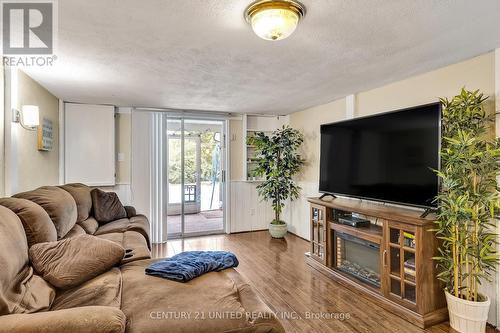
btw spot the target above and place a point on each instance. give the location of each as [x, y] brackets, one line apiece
[274, 19]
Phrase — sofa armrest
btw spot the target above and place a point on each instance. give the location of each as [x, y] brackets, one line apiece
[131, 212]
[87, 319]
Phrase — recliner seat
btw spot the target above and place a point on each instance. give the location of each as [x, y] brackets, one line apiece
[70, 209]
[123, 299]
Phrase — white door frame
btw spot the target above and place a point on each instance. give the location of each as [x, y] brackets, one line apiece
[157, 208]
[224, 173]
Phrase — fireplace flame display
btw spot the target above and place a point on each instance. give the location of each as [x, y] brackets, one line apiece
[358, 258]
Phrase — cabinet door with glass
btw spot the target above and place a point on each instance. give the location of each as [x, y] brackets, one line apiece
[399, 260]
[318, 233]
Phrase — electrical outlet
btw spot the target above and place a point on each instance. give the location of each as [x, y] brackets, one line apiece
[121, 157]
[252, 211]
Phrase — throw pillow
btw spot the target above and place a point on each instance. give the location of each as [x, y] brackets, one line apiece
[107, 206]
[70, 262]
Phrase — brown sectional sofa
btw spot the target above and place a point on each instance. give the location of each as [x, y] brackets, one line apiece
[123, 299]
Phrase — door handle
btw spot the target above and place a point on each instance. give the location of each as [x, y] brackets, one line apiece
[384, 258]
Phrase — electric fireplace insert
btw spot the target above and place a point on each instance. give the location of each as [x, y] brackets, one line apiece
[358, 258]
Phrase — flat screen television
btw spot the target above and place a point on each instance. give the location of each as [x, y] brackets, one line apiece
[388, 157]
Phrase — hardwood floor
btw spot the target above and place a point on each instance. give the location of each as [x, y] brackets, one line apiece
[298, 293]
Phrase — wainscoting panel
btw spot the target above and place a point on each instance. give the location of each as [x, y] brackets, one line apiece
[297, 212]
[248, 213]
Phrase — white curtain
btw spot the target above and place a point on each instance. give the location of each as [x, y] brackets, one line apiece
[147, 185]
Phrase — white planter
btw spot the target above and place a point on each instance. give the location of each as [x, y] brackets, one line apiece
[278, 230]
[467, 316]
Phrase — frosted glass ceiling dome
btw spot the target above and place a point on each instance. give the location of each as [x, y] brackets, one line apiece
[274, 20]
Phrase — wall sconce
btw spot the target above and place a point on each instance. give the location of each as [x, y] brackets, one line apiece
[28, 117]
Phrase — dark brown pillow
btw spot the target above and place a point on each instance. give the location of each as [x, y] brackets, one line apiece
[70, 262]
[107, 206]
[131, 212]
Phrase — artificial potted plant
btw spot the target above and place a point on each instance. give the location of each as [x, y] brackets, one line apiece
[278, 161]
[468, 206]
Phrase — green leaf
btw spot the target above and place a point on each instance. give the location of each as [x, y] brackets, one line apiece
[278, 161]
[469, 198]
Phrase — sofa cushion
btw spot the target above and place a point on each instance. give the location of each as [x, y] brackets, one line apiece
[103, 290]
[137, 223]
[21, 291]
[77, 230]
[101, 319]
[70, 262]
[222, 292]
[120, 225]
[90, 225]
[133, 242]
[140, 223]
[58, 203]
[81, 194]
[36, 222]
[107, 206]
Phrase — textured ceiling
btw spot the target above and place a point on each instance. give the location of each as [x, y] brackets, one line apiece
[201, 54]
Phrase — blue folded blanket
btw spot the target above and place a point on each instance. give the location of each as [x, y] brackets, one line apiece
[186, 266]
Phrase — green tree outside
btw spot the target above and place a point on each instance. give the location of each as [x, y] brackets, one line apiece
[208, 144]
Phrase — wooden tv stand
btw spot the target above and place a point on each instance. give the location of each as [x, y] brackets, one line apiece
[399, 247]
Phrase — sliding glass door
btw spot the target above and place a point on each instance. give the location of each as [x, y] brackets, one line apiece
[195, 172]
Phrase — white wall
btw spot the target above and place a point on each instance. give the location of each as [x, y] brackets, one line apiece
[123, 146]
[25, 166]
[123, 138]
[141, 128]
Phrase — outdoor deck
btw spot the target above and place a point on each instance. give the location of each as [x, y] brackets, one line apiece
[205, 221]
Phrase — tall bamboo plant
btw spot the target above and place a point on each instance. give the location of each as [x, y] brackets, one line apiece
[278, 161]
[469, 198]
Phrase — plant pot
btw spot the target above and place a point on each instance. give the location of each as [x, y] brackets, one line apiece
[277, 230]
[467, 316]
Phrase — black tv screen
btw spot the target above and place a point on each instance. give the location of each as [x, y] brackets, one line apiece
[387, 157]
